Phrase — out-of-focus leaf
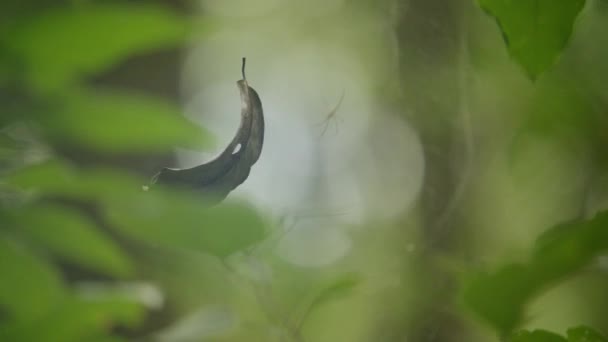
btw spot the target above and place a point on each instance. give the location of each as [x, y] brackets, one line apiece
[340, 287]
[64, 43]
[9, 148]
[29, 287]
[509, 288]
[183, 221]
[578, 334]
[165, 217]
[207, 323]
[106, 338]
[77, 319]
[113, 122]
[500, 297]
[558, 105]
[15, 103]
[57, 177]
[536, 336]
[559, 115]
[585, 334]
[535, 31]
[568, 247]
[72, 237]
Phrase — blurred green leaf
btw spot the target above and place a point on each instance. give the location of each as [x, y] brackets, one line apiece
[559, 114]
[536, 336]
[568, 247]
[559, 105]
[15, 103]
[500, 297]
[180, 220]
[535, 31]
[162, 216]
[9, 147]
[56, 177]
[62, 44]
[71, 236]
[585, 334]
[115, 122]
[29, 287]
[337, 289]
[77, 319]
[106, 338]
[578, 334]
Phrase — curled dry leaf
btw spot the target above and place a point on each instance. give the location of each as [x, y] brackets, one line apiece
[227, 171]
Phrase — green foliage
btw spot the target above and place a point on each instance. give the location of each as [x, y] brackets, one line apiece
[535, 31]
[585, 334]
[336, 289]
[578, 334]
[500, 297]
[72, 237]
[116, 122]
[60, 178]
[63, 224]
[21, 295]
[58, 46]
[339, 288]
[49, 53]
[76, 318]
[536, 336]
[161, 216]
[176, 220]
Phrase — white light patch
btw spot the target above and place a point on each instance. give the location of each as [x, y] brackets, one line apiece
[237, 148]
[368, 163]
[309, 245]
[207, 323]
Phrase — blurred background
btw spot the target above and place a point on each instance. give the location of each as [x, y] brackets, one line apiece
[431, 171]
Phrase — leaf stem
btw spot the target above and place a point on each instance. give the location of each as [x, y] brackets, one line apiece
[243, 68]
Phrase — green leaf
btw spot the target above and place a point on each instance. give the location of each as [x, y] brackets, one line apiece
[338, 288]
[536, 336]
[535, 31]
[77, 319]
[106, 338]
[115, 122]
[180, 220]
[62, 44]
[15, 102]
[9, 147]
[164, 217]
[29, 287]
[500, 297]
[56, 177]
[74, 238]
[577, 334]
[585, 334]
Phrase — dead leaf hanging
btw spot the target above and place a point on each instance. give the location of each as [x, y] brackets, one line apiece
[231, 168]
